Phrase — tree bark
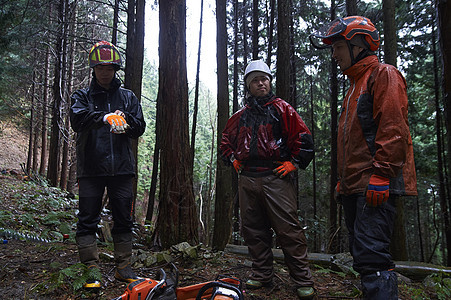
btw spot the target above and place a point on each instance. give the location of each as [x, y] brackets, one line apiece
[390, 46]
[444, 26]
[224, 197]
[134, 57]
[177, 220]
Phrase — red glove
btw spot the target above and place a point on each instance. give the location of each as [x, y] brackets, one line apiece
[284, 168]
[378, 190]
[237, 165]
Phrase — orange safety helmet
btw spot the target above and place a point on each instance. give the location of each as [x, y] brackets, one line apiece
[348, 28]
[104, 53]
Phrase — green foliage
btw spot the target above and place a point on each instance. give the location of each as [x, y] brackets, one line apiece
[74, 276]
[442, 285]
[42, 211]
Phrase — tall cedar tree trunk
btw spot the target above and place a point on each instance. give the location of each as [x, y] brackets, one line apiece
[398, 242]
[236, 84]
[59, 85]
[37, 124]
[45, 97]
[204, 206]
[438, 123]
[177, 220]
[67, 140]
[255, 21]
[283, 50]
[272, 11]
[115, 21]
[134, 57]
[245, 34]
[31, 126]
[444, 24]
[333, 246]
[196, 90]
[312, 130]
[224, 196]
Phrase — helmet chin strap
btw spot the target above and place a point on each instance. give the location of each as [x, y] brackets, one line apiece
[362, 54]
[351, 52]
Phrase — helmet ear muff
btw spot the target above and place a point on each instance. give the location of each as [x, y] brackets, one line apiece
[372, 44]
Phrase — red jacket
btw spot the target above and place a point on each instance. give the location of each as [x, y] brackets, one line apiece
[373, 130]
[258, 135]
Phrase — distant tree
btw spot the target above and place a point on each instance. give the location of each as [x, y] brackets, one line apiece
[333, 245]
[59, 92]
[283, 50]
[255, 33]
[398, 243]
[177, 220]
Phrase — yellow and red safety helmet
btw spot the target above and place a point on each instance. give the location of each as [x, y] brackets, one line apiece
[105, 53]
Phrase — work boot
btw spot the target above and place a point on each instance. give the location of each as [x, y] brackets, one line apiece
[306, 292]
[382, 285]
[87, 250]
[256, 284]
[122, 255]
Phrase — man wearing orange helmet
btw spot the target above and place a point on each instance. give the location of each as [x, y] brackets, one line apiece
[106, 117]
[266, 141]
[375, 153]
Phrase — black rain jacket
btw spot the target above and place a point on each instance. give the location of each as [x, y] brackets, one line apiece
[99, 151]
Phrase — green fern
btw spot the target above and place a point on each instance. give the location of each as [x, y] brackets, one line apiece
[74, 276]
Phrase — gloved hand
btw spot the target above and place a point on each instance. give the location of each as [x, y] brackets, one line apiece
[117, 122]
[377, 191]
[284, 168]
[337, 192]
[237, 165]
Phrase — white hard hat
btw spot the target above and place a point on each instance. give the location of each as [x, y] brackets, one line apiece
[257, 65]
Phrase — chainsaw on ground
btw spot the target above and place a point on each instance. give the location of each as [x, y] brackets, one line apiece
[166, 288]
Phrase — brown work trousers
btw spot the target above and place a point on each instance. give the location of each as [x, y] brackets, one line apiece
[270, 202]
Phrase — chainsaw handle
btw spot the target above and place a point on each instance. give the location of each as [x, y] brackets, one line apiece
[218, 284]
[155, 288]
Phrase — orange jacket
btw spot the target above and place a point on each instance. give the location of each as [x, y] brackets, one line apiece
[373, 130]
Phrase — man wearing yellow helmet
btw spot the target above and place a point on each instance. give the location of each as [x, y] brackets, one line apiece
[106, 117]
[375, 153]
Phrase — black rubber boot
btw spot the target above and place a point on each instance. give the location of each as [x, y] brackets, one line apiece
[122, 255]
[87, 250]
[382, 285]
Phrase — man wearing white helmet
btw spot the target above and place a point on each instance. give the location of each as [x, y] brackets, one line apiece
[266, 141]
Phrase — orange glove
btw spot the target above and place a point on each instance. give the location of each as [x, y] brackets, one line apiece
[284, 168]
[117, 122]
[337, 191]
[377, 191]
[237, 165]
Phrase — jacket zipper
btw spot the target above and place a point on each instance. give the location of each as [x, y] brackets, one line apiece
[344, 131]
[111, 139]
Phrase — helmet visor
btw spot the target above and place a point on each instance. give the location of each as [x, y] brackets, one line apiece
[323, 37]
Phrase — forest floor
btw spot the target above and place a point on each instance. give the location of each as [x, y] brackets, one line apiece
[39, 257]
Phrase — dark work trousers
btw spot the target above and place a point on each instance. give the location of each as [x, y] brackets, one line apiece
[270, 202]
[369, 230]
[120, 194]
